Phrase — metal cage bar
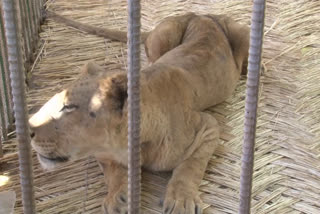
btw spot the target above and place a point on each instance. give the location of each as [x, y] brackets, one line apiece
[3, 122]
[30, 15]
[17, 79]
[28, 22]
[255, 52]
[7, 117]
[26, 28]
[134, 168]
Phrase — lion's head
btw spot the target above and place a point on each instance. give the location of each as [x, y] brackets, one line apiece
[83, 119]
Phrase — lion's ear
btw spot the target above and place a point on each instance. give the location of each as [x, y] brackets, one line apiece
[119, 93]
[92, 68]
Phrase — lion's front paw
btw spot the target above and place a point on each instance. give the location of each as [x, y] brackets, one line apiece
[182, 201]
[116, 203]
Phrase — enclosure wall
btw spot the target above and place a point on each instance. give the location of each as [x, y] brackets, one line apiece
[29, 18]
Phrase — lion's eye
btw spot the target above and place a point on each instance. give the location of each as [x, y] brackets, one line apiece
[69, 108]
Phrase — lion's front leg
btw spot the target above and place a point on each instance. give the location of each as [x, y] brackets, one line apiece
[182, 196]
[116, 179]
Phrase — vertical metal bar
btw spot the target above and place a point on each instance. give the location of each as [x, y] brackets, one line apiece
[2, 114]
[3, 125]
[36, 14]
[134, 168]
[1, 149]
[30, 19]
[33, 16]
[17, 78]
[255, 52]
[38, 11]
[36, 6]
[26, 29]
[42, 8]
[4, 76]
[28, 23]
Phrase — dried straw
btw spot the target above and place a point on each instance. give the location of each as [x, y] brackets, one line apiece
[287, 167]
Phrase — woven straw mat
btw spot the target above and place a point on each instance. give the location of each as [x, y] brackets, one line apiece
[287, 154]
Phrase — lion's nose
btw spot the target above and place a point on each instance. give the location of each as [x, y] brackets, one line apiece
[32, 134]
[32, 130]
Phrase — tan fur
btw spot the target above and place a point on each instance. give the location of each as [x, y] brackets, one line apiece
[197, 61]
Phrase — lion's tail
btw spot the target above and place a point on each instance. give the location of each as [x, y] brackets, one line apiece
[117, 35]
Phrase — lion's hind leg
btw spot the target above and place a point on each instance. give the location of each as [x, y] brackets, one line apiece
[166, 36]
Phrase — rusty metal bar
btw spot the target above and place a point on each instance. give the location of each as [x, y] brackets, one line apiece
[252, 92]
[134, 168]
[17, 78]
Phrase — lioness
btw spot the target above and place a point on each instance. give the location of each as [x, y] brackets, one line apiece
[197, 61]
